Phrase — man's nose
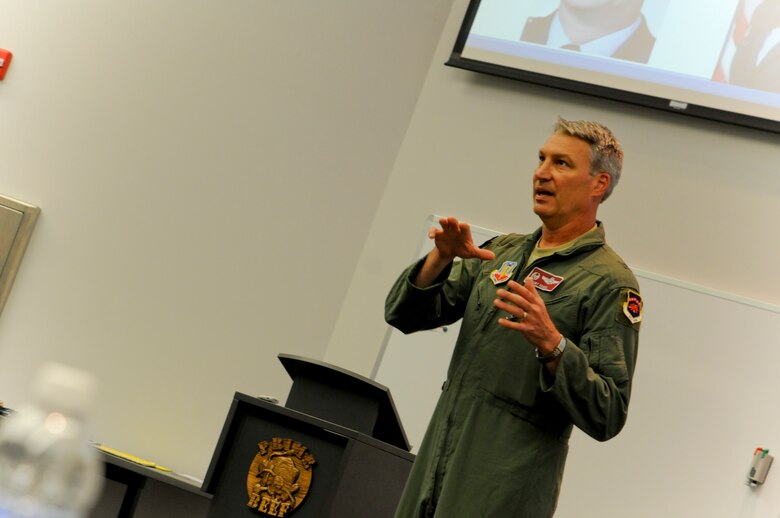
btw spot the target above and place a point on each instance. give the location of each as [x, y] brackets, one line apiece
[542, 171]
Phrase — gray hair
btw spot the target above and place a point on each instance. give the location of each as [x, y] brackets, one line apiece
[606, 154]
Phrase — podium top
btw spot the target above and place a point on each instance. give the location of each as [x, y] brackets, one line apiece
[387, 426]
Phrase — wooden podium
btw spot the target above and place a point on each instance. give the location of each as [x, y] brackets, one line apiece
[345, 423]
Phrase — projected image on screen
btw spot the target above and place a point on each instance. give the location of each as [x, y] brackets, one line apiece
[718, 60]
[615, 29]
[751, 53]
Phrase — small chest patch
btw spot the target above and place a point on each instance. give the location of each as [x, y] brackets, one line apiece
[504, 273]
[632, 307]
[544, 280]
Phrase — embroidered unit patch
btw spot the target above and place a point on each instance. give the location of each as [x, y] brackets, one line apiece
[504, 273]
[632, 307]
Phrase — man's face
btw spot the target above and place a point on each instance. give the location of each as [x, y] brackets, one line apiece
[564, 189]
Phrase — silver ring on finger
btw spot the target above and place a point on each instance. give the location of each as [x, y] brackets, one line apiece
[514, 318]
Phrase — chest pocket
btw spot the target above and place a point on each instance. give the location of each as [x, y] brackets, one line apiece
[564, 312]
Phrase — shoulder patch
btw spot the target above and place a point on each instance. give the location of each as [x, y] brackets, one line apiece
[632, 307]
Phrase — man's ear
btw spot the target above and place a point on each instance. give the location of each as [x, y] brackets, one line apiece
[601, 182]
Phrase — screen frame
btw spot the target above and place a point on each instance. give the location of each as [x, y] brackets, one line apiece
[664, 104]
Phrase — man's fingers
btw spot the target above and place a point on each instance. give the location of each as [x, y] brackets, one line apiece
[456, 235]
[527, 290]
[485, 255]
[509, 299]
[519, 289]
[449, 223]
[514, 315]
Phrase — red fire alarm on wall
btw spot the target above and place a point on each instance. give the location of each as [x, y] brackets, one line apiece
[5, 61]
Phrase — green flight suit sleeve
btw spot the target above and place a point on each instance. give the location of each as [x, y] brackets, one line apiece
[593, 379]
[409, 308]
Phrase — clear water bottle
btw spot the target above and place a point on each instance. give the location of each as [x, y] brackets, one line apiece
[48, 469]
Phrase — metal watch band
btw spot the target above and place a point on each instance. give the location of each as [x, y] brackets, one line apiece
[547, 358]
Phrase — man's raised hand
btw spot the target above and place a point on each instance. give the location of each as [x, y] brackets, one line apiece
[454, 239]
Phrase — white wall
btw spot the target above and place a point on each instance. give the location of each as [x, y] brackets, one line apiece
[198, 165]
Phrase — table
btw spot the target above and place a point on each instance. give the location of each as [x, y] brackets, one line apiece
[134, 477]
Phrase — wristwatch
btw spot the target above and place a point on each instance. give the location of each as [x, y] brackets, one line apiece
[547, 358]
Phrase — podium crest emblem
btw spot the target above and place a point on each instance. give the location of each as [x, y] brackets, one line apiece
[279, 477]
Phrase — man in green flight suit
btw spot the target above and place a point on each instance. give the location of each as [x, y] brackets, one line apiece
[548, 340]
